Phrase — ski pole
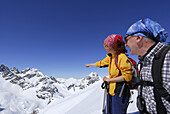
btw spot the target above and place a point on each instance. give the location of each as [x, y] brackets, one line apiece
[122, 89]
[104, 100]
[105, 86]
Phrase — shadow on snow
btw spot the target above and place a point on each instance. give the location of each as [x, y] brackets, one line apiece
[1, 109]
[134, 113]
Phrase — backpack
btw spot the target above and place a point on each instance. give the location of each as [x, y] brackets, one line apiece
[135, 76]
[159, 90]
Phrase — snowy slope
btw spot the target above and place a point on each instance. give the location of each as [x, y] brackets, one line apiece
[85, 102]
[30, 90]
[88, 101]
[12, 101]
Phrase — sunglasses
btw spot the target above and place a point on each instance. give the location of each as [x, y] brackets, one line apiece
[126, 40]
[145, 33]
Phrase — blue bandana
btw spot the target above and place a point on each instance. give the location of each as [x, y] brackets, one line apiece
[153, 29]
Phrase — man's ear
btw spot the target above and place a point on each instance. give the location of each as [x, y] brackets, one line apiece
[139, 38]
[139, 41]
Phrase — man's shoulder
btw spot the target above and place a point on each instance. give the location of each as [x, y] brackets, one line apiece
[164, 51]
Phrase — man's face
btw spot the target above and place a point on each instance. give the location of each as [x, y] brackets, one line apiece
[131, 43]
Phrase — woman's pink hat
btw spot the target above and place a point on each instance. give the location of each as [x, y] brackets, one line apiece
[110, 40]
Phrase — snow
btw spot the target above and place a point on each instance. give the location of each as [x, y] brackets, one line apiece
[75, 103]
[88, 101]
[84, 97]
[13, 101]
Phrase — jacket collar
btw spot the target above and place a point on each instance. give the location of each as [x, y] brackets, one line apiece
[111, 55]
[152, 51]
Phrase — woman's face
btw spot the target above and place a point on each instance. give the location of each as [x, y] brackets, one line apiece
[109, 49]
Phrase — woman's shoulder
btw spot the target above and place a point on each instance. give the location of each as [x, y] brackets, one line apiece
[123, 58]
[123, 55]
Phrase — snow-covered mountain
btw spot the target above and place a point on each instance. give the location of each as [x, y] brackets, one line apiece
[88, 101]
[77, 84]
[29, 91]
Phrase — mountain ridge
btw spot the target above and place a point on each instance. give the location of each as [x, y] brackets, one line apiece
[42, 89]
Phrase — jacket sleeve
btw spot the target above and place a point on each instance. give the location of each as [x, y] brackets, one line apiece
[103, 62]
[125, 67]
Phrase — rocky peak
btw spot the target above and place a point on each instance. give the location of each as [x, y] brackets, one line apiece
[46, 88]
[93, 76]
[14, 70]
[3, 68]
[26, 70]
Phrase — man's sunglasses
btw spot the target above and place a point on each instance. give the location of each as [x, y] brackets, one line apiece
[145, 33]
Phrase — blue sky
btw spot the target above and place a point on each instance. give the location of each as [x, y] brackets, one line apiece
[59, 37]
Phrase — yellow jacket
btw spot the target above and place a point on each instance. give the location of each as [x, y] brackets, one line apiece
[124, 66]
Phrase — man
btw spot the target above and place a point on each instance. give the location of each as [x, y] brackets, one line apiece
[144, 38]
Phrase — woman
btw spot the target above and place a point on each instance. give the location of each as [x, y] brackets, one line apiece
[119, 74]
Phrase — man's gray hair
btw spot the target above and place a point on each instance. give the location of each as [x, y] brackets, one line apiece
[148, 40]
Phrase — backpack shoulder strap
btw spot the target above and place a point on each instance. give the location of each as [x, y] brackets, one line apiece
[157, 66]
[159, 90]
[116, 61]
